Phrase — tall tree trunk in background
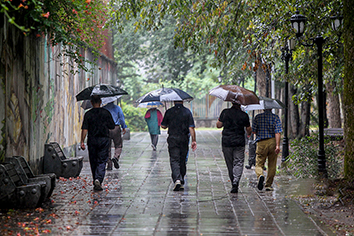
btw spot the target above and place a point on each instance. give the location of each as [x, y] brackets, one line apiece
[333, 108]
[279, 94]
[348, 95]
[341, 107]
[261, 82]
[304, 129]
[325, 108]
[293, 114]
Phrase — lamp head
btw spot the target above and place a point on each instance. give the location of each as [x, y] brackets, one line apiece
[291, 44]
[337, 22]
[298, 23]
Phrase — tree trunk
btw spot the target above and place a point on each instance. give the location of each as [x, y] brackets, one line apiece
[293, 114]
[261, 82]
[305, 119]
[333, 108]
[279, 94]
[348, 101]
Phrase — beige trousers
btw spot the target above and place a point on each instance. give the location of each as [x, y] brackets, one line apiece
[266, 150]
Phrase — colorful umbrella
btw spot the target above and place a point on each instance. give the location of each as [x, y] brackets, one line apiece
[235, 93]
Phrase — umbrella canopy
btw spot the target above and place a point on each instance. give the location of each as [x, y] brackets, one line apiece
[150, 105]
[165, 95]
[235, 93]
[265, 103]
[102, 90]
[86, 104]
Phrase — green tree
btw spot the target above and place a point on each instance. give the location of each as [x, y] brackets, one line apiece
[148, 59]
[348, 88]
[260, 26]
[75, 24]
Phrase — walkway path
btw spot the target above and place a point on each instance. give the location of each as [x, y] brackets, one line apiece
[139, 200]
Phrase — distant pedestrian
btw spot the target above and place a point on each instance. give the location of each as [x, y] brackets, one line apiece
[153, 118]
[267, 127]
[116, 134]
[180, 124]
[235, 122]
[96, 125]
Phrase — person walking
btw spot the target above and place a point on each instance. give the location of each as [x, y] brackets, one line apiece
[234, 122]
[180, 124]
[267, 127]
[96, 125]
[153, 118]
[116, 134]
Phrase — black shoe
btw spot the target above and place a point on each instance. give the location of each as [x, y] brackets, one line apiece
[260, 184]
[177, 185]
[264, 168]
[115, 162]
[109, 164]
[248, 167]
[234, 188]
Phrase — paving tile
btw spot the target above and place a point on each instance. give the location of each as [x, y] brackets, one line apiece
[138, 198]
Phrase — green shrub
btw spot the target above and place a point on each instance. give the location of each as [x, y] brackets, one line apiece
[302, 161]
[134, 117]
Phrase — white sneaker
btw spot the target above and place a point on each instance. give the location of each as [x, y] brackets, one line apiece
[97, 185]
[177, 185]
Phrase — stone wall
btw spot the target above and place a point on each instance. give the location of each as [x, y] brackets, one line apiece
[37, 94]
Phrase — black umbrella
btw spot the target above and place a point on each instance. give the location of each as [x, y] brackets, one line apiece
[165, 95]
[86, 104]
[102, 90]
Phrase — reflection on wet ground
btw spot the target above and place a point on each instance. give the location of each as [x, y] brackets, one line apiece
[138, 199]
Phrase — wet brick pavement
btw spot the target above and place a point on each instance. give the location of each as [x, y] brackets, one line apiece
[138, 199]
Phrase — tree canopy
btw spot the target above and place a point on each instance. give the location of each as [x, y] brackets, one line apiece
[225, 34]
[73, 23]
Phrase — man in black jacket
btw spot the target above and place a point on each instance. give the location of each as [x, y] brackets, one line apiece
[96, 125]
[180, 124]
[234, 122]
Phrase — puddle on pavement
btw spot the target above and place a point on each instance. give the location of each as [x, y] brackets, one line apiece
[296, 187]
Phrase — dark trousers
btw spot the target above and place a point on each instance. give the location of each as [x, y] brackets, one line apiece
[116, 135]
[252, 145]
[234, 158]
[178, 149]
[98, 154]
[154, 139]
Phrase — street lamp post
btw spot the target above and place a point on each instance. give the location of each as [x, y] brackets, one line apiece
[255, 85]
[286, 56]
[298, 23]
